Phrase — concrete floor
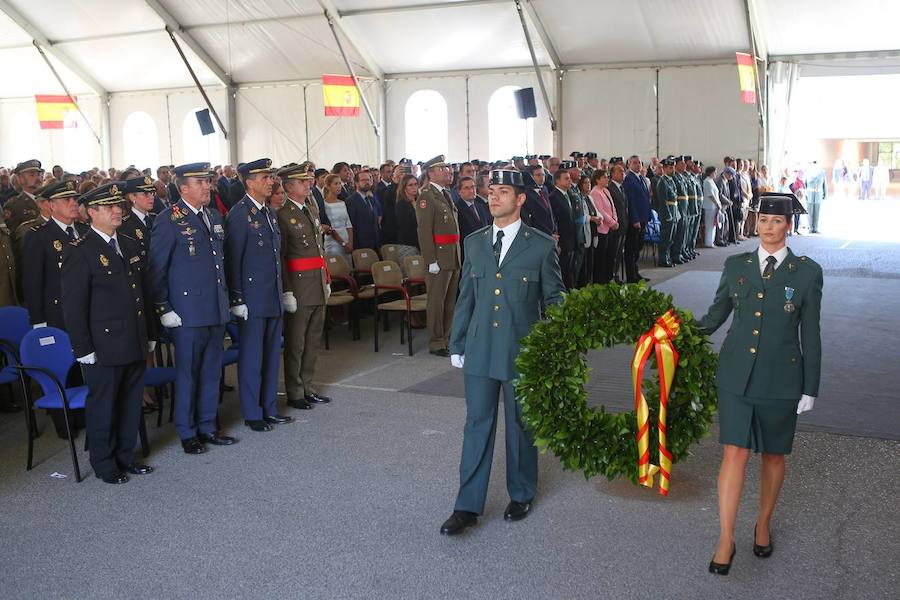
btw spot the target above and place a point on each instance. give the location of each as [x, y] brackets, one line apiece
[346, 502]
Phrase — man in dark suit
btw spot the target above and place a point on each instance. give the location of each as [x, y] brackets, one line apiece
[565, 223]
[537, 212]
[473, 211]
[363, 214]
[42, 257]
[253, 272]
[388, 199]
[111, 330]
[318, 193]
[164, 174]
[616, 238]
[236, 189]
[138, 222]
[188, 284]
[342, 170]
[638, 195]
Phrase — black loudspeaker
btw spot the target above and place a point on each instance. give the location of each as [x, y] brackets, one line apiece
[525, 103]
[205, 122]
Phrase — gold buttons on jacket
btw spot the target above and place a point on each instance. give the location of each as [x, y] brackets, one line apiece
[496, 307]
[757, 314]
[497, 292]
[756, 332]
[752, 350]
[760, 295]
[495, 324]
[499, 276]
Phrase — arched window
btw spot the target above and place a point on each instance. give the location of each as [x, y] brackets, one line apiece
[140, 141]
[199, 147]
[426, 125]
[508, 135]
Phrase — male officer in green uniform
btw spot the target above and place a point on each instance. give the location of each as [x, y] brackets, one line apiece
[509, 271]
[769, 365]
[8, 293]
[676, 253]
[667, 206]
[438, 232]
[692, 219]
[693, 169]
[306, 286]
[23, 207]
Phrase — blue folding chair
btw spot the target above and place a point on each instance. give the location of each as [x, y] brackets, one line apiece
[161, 379]
[14, 324]
[46, 356]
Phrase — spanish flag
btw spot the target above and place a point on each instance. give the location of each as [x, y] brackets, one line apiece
[341, 96]
[747, 76]
[52, 111]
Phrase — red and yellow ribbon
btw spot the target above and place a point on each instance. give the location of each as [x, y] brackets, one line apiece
[659, 338]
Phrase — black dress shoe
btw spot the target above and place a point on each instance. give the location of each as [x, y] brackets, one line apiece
[278, 420]
[762, 551]
[259, 425]
[216, 439]
[137, 469]
[677, 261]
[317, 399]
[115, 477]
[516, 511]
[722, 569]
[193, 446]
[440, 352]
[664, 264]
[299, 404]
[458, 522]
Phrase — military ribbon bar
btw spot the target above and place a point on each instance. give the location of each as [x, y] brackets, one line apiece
[658, 339]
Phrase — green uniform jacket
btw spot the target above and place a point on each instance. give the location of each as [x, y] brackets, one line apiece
[20, 209]
[301, 237]
[8, 296]
[437, 218]
[497, 306]
[769, 352]
[666, 197]
[681, 190]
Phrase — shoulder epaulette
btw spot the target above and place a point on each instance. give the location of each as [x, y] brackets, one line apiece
[37, 226]
[127, 237]
[78, 241]
[538, 232]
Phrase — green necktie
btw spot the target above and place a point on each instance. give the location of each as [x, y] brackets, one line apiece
[498, 246]
[770, 267]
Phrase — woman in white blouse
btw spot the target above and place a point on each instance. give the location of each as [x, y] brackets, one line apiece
[340, 240]
[711, 206]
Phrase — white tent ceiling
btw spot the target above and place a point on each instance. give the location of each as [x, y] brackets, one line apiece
[123, 46]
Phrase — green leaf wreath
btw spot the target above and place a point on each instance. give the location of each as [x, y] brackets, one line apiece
[553, 373]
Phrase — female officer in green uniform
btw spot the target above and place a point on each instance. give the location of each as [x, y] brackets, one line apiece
[764, 379]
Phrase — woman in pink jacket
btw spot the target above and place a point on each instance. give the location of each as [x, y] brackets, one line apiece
[605, 221]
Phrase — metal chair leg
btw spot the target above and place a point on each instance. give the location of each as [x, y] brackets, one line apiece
[142, 431]
[161, 406]
[377, 313]
[72, 447]
[32, 427]
[409, 332]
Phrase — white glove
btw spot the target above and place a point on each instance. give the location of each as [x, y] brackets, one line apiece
[151, 346]
[433, 268]
[89, 359]
[457, 360]
[289, 302]
[327, 291]
[240, 311]
[170, 319]
[39, 325]
[806, 404]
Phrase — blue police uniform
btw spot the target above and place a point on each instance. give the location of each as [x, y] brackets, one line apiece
[253, 274]
[187, 277]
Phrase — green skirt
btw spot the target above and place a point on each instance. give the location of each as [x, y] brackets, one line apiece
[762, 425]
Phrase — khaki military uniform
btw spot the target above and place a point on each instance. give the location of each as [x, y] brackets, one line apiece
[303, 251]
[8, 293]
[438, 229]
[20, 209]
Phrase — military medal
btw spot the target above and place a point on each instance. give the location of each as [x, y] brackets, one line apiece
[176, 213]
[293, 221]
[57, 245]
[742, 280]
[788, 296]
[104, 261]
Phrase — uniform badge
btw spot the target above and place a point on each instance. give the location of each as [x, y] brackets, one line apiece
[217, 229]
[191, 250]
[791, 266]
[139, 234]
[134, 259]
[293, 221]
[422, 204]
[104, 261]
[176, 213]
[253, 211]
[742, 280]
[57, 245]
[788, 296]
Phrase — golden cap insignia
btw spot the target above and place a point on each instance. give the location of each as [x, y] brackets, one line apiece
[114, 190]
[70, 186]
[147, 181]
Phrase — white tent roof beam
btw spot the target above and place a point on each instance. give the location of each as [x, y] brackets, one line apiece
[415, 7]
[348, 30]
[535, 21]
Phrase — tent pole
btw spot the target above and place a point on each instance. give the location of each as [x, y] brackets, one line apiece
[362, 94]
[197, 83]
[534, 62]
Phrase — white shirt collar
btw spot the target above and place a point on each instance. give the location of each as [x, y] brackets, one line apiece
[564, 192]
[63, 225]
[297, 204]
[439, 187]
[779, 255]
[253, 200]
[105, 237]
[196, 211]
[141, 216]
[509, 232]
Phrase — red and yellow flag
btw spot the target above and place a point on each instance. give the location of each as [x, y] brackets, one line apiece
[747, 76]
[341, 96]
[52, 111]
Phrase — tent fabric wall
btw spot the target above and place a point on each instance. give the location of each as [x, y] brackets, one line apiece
[75, 148]
[700, 113]
[610, 112]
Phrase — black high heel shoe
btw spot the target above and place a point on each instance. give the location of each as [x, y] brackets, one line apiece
[762, 551]
[722, 569]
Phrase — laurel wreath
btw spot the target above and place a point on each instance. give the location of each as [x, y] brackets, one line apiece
[553, 373]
